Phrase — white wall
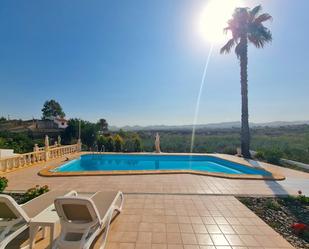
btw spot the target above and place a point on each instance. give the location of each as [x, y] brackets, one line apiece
[60, 125]
[6, 153]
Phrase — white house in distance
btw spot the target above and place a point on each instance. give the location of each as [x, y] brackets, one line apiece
[61, 123]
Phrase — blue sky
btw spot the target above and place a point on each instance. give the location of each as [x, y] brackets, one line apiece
[141, 62]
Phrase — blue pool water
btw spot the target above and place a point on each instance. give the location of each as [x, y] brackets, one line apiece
[113, 162]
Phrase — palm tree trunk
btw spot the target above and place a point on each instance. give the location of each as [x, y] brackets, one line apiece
[245, 132]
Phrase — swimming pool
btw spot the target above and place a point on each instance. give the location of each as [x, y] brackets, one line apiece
[135, 163]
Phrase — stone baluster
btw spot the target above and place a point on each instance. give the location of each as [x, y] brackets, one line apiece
[6, 165]
[46, 148]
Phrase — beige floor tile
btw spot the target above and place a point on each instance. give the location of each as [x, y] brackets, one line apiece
[249, 240]
[159, 227]
[199, 228]
[145, 227]
[128, 237]
[174, 238]
[159, 238]
[113, 245]
[186, 228]
[144, 238]
[159, 246]
[126, 246]
[204, 239]
[142, 246]
[191, 247]
[219, 240]
[234, 240]
[213, 229]
[171, 219]
[226, 229]
[172, 228]
[174, 246]
[188, 239]
[208, 220]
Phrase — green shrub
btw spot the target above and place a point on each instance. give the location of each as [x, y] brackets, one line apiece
[270, 155]
[31, 193]
[273, 204]
[259, 155]
[303, 199]
[3, 183]
[273, 156]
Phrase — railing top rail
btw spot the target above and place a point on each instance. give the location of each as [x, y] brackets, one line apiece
[21, 155]
[65, 146]
[10, 157]
[35, 152]
[30, 153]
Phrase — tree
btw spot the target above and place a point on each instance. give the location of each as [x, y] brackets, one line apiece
[103, 125]
[118, 143]
[89, 132]
[110, 145]
[132, 142]
[52, 108]
[246, 26]
[137, 144]
[102, 142]
[19, 142]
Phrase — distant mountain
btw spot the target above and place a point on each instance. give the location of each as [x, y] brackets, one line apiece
[223, 125]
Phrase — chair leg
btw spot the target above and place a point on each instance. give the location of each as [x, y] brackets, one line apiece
[119, 209]
[32, 232]
[106, 230]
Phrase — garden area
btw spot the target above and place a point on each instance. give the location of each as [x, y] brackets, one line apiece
[23, 197]
[289, 216]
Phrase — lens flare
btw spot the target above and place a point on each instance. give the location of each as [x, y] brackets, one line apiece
[197, 107]
[213, 19]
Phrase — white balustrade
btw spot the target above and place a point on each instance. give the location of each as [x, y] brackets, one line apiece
[27, 159]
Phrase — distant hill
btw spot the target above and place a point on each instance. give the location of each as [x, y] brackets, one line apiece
[223, 125]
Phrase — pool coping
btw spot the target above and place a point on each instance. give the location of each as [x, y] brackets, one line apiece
[47, 172]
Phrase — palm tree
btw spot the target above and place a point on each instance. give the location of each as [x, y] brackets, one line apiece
[246, 27]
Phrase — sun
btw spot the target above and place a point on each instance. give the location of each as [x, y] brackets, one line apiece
[214, 17]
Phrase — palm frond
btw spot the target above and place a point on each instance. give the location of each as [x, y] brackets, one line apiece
[266, 34]
[259, 43]
[256, 10]
[262, 18]
[227, 47]
[259, 35]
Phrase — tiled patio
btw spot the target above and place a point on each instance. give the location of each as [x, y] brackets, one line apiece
[188, 222]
